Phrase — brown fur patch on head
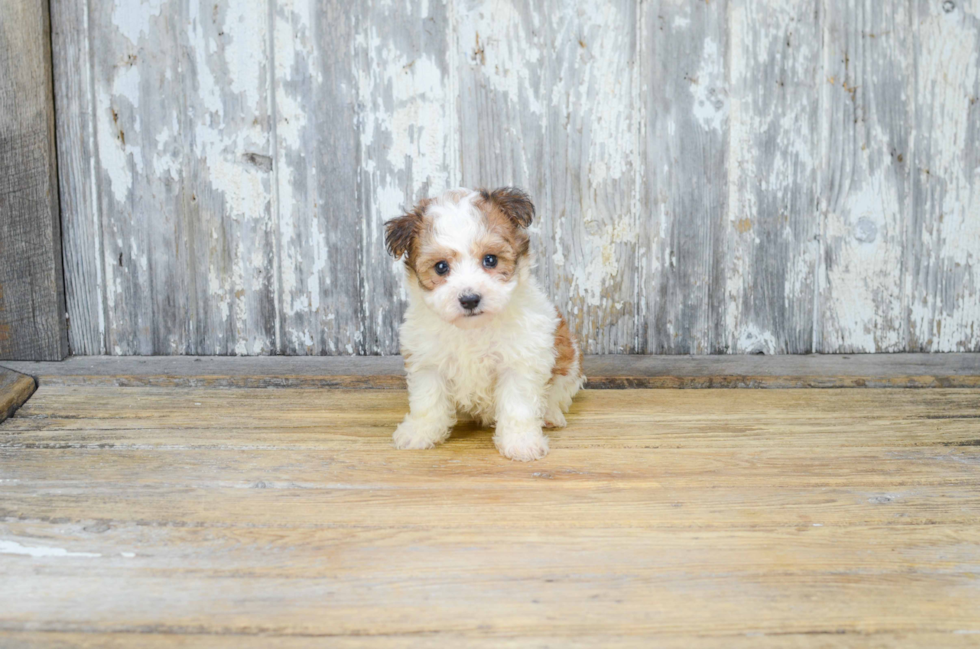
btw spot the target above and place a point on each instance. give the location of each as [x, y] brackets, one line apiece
[566, 350]
[506, 236]
[455, 196]
[423, 263]
[506, 245]
[402, 232]
[513, 203]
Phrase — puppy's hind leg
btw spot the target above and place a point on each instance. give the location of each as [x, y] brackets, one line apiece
[559, 399]
[432, 413]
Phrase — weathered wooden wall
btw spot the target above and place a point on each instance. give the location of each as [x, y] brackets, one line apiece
[32, 296]
[740, 176]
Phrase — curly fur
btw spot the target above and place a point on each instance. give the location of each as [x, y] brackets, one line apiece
[499, 365]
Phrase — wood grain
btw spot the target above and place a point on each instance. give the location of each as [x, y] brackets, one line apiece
[15, 389]
[604, 372]
[219, 517]
[866, 184]
[78, 176]
[32, 294]
[828, 640]
[318, 189]
[138, 118]
[681, 295]
[710, 177]
[944, 231]
[224, 283]
[772, 228]
[182, 105]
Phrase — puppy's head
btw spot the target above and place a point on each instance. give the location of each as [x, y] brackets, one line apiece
[465, 249]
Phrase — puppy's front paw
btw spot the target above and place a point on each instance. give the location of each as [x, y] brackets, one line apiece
[419, 434]
[522, 443]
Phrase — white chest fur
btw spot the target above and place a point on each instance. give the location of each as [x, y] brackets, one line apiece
[470, 361]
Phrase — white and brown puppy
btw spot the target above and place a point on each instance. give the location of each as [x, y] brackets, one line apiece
[480, 336]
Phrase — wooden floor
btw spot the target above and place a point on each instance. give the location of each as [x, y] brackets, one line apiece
[231, 517]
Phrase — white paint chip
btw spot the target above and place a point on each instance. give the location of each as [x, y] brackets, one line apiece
[40, 551]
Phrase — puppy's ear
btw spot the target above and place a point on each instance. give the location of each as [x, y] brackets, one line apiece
[400, 230]
[513, 202]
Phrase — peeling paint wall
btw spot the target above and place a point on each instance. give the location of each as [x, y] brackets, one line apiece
[775, 176]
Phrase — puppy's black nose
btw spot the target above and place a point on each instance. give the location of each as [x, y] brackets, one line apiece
[469, 301]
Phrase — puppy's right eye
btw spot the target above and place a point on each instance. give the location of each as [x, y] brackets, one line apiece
[442, 268]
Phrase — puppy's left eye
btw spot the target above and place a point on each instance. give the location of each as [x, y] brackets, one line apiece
[490, 261]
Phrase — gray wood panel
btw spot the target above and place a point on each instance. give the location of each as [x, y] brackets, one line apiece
[182, 120]
[686, 92]
[78, 175]
[226, 220]
[607, 371]
[866, 111]
[721, 177]
[317, 177]
[32, 299]
[773, 226]
[943, 255]
[137, 70]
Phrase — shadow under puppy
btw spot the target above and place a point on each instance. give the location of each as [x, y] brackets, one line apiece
[480, 336]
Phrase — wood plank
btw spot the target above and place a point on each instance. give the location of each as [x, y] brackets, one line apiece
[899, 468]
[138, 122]
[944, 229]
[773, 223]
[615, 507]
[318, 419]
[182, 105]
[327, 607]
[807, 517]
[78, 176]
[220, 287]
[681, 292]
[32, 293]
[330, 550]
[320, 433]
[615, 371]
[318, 194]
[826, 639]
[866, 184]
[551, 104]
[15, 389]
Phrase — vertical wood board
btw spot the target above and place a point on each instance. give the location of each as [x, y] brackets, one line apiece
[32, 298]
[943, 254]
[685, 87]
[316, 171]
[866, 110]
[773, 223]
[78, 176]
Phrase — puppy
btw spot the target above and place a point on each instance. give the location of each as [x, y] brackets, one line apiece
[480, 336]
